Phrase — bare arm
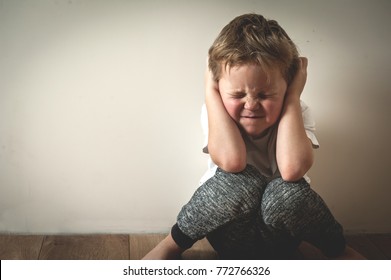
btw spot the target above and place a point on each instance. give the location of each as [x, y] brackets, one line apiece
[225, 143]
[294, 149]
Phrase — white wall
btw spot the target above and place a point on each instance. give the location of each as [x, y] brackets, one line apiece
[100, 103]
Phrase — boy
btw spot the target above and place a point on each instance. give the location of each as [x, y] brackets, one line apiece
[255, 202]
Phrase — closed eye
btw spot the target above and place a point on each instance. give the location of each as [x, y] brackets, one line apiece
[262, 96]
[238, 95]
[265, 95]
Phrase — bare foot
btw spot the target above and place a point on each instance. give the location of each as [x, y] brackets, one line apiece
[167, 249]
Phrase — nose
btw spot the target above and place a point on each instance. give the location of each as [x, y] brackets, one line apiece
[251, 104]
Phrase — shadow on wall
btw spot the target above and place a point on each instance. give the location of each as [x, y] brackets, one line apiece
[355, 185]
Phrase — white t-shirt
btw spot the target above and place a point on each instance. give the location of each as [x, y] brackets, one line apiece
[261, 151]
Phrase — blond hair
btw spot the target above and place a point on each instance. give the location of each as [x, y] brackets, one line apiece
[250, 38]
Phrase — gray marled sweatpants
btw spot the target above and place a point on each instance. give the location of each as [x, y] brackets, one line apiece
[246, 217]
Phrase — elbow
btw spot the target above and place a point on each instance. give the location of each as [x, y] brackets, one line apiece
[291, 175]
[231, 165]
[295, 171]
[293, 168]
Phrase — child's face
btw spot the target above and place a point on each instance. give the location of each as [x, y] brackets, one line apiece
[252, 98]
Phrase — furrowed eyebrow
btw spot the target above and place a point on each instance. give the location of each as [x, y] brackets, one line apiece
[237, 94]
[267, 93]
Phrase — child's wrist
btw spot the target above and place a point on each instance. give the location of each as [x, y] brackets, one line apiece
[292, 97]
[212, 91]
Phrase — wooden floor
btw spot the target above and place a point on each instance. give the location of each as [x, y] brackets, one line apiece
[134, 247]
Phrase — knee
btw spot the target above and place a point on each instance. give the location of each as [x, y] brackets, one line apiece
[222, 199]
[283, 202]
[243, 190]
